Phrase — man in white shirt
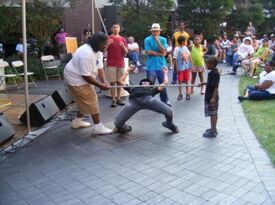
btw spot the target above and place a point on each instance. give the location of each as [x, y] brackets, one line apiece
[80, 75]
[133, 52]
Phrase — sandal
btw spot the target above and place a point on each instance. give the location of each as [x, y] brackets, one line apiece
[188, 97]
[113, 104]
[119, 102]
[179, 97]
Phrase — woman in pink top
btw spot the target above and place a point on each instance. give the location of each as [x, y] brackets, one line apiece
[60, 40]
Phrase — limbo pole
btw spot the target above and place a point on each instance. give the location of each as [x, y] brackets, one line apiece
[154, 86]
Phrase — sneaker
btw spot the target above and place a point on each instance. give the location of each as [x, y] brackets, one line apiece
[139, 64]
[119, 102]
[169, 104]
[173, 128]
[113, 104]
[100, 129]
[80, 124]
[224, 61]
[210, 134]
[179, 97]
[188, 97]
[174, 82]
[136, 70]
[124, 129]
[232, 73]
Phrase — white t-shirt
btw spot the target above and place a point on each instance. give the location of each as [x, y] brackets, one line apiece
[19, 48]
[133, 46]
[225, 44]
[270, 77]
[85, 62]
[244, 50]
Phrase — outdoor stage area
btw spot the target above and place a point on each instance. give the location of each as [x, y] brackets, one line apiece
[17, 107]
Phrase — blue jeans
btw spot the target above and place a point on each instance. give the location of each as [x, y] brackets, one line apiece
[133, 56]
[255, 94]
[152, 75]
[235, 62]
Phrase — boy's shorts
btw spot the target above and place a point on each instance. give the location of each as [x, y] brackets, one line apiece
[211, 110]
[184, 76]
[113, 74]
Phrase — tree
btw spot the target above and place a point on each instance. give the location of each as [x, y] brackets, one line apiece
[204, 15]
[43, 19]
[138, 15]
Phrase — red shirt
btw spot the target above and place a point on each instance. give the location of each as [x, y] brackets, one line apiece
[115, 57]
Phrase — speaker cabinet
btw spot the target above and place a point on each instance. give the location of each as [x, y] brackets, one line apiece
[40, 112]
[6, 130]
[62, 97]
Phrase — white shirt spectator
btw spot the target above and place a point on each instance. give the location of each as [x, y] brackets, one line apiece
[225, 44]
[19, 48]
[245, 50]
[132, 46]
[85, 62]
[270, 77]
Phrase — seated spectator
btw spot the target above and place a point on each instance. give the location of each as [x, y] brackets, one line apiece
[231, 50]
[133, 52]
[244, 51]
[272, 42]
[255, 43]
[265, 89]
[259, 57]
[225, 44]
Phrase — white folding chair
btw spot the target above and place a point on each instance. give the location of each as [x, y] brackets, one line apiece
[49, 63]
[4, 75]
[18, 67]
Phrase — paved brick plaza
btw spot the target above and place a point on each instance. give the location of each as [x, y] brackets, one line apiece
[148, 166]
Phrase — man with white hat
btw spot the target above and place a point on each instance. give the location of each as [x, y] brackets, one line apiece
[155, 47]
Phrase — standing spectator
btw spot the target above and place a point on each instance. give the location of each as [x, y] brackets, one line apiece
[181, 32]
[212, 96]
[133, 52]
[155, 47]
[203, 40]
[87, 33]
[80, 75]
[225, 44]
[169, 54]
[19, 49]
[197, 53]
[183, 65]
[250, 29]
[60, 39]
[117, 49]
[218, 49]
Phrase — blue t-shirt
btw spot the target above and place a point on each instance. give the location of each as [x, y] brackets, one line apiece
[155, 62]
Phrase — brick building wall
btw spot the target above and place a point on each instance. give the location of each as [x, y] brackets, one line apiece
[76, 19]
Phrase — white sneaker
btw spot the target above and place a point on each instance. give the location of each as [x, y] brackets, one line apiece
[136, 70]
[80, 124]
[138, 64]
[100, 129]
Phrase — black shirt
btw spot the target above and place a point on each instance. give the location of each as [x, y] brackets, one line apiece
[139, 92]
[213, 80]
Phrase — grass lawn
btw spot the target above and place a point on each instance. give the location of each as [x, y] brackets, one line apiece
[261, 117]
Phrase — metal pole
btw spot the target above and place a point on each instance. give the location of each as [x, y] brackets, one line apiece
[155, 86]
[93, 17]
[102, 22]
[24, 31]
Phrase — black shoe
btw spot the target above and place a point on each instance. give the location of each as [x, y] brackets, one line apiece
[209, 130]
[113, 104]
[188, 97]
[174, 82]
[232, 73]
[119, 102]
[179, 97]
[124, 129]
[210, 134]
[173, 128]
[242, 98]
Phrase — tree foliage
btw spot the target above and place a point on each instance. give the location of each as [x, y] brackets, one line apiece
[138, 15]
[43, 19]
[204, 15]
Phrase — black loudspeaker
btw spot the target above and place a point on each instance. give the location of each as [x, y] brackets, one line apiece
[6, 130]
[62, 97]
[40, 112]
